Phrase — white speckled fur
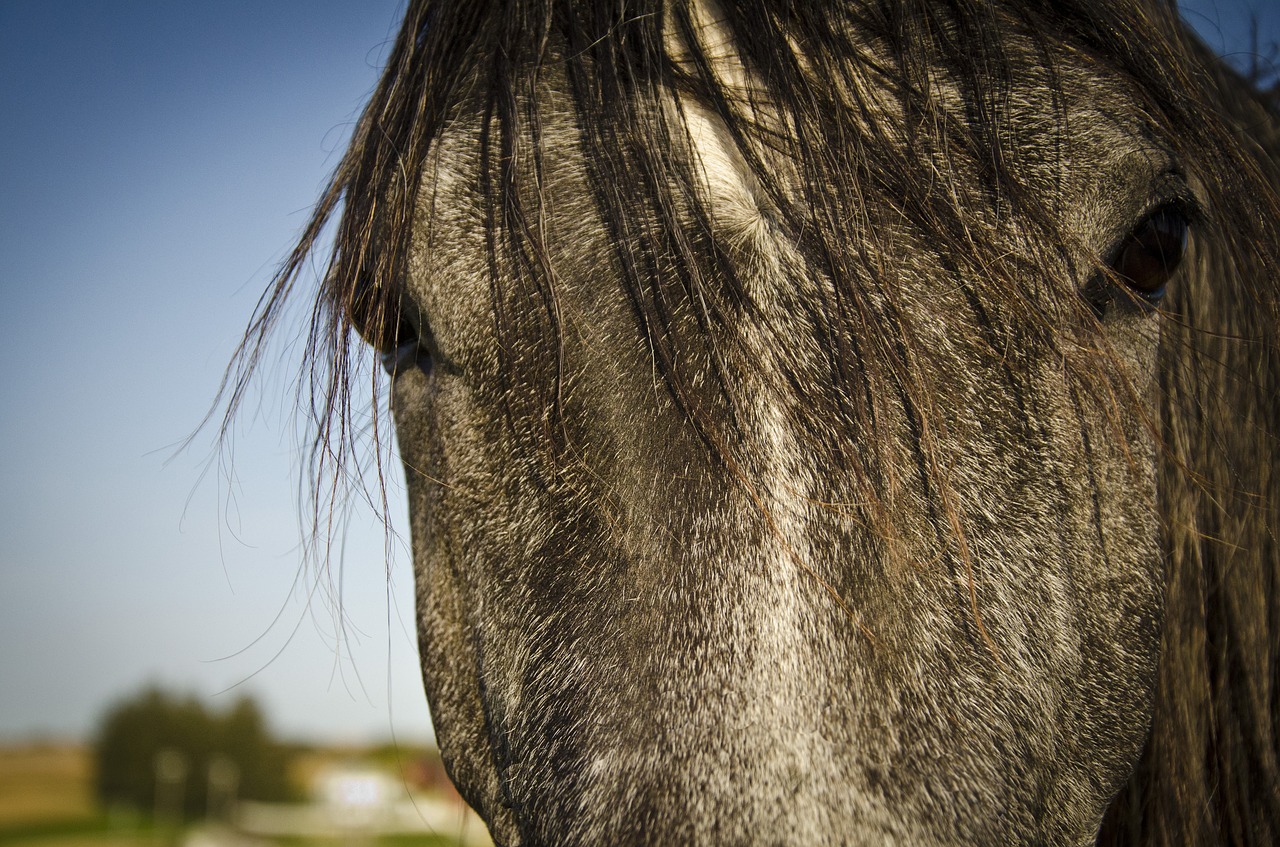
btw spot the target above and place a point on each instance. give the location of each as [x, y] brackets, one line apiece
[635, 640]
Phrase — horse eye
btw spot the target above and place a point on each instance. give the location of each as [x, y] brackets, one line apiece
[409, 351]
[1152, 252]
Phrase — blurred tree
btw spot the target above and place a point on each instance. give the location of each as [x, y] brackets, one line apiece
[158, 751]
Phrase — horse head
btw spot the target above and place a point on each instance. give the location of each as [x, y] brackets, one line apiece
[833, 424]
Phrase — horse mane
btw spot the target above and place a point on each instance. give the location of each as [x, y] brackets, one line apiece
[1209, 774]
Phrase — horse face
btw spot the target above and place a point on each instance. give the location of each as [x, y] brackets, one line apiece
[635, 631]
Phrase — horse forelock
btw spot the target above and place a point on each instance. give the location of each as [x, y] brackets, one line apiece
[783, 102]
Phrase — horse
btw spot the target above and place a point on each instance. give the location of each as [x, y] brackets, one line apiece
[837, 423]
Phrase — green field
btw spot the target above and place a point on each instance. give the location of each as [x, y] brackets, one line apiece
[46, 800]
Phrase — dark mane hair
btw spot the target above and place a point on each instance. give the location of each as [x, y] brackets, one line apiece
[1210, 774]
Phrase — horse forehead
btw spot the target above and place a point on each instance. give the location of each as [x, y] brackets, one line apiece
[450, 235]
[1093, 112]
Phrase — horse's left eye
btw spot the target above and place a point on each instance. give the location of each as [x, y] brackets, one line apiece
[1152, 252]
[409, 351]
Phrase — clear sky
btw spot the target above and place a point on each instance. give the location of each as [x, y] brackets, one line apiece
[156, 159]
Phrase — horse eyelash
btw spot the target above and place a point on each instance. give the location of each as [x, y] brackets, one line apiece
[1108, 284]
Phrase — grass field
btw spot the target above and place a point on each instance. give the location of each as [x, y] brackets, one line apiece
[46, 800]
[40, 784]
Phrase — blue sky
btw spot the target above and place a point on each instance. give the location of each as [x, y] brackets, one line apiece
[155, 162]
